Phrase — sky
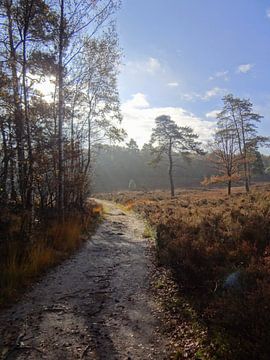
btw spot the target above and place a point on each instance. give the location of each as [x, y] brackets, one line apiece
[182, 56]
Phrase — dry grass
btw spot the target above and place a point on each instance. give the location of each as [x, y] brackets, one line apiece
[51, 243]
[219, 250]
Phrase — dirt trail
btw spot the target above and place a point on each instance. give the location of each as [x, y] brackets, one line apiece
[96, 305]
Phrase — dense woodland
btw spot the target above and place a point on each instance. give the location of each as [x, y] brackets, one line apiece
[58, 74]
[46, 139]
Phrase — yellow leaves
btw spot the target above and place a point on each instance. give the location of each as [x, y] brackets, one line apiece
[217, 179]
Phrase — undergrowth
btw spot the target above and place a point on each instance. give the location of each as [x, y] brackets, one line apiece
[149, 231]
[51, 242]
[218, 248]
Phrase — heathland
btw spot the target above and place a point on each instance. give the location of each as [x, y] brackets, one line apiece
[217, 248]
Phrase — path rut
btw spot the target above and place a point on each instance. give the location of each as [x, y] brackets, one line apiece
[96, 305]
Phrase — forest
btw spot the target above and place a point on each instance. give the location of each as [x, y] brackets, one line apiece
[59, 65]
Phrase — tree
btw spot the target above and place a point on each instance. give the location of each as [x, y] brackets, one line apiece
[44, 152]
[74, 19]
[243, 123]
[92, 106]
[257, 167]
[224, 153]
[26, 28]
[132, 145]
[170, 140]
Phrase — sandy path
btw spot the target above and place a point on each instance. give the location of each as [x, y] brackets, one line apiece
[96, 305]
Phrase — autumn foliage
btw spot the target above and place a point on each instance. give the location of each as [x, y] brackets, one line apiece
[52, 242]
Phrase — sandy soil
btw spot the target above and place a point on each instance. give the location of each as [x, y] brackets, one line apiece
[96, 305]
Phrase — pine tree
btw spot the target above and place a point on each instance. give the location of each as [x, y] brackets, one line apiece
[170, 140]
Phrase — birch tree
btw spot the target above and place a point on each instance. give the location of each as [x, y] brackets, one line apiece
[243, 121]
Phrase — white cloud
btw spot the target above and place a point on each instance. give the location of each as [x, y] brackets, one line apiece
[268, 13]
[212, 114]
[190, 96]
[244, 68]
[216, 91]
[150, 66]
[206, 96]
[139, 120]
[138, 101]
[220, 75]
[173, 84]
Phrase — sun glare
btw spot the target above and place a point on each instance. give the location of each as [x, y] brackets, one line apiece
[46, 87]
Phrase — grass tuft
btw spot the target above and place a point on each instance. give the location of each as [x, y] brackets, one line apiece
[51, 243]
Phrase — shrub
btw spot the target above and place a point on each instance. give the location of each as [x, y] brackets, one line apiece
[207, 238]
[51, 241]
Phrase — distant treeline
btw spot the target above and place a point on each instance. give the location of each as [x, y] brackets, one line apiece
[121, 168]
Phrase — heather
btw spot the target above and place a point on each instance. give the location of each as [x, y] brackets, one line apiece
[218, 250]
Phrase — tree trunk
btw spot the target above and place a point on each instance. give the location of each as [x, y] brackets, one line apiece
[246, 171]
[245, 154]
[171, 169]
[29, 182]
[247, 184]
[229, 187]
[60, 114]
[18, 115]
[4, 175]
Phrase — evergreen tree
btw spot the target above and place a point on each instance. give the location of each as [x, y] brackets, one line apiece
[170, 140]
